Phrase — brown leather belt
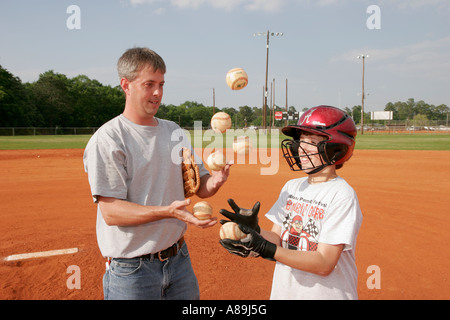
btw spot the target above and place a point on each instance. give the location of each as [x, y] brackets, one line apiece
[166, 253]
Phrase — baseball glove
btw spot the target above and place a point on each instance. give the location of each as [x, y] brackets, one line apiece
[191, 174]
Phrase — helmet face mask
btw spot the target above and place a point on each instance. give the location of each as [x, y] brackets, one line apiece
[334, 125]
[304, 156]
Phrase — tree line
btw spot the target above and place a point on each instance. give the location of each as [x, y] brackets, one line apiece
[55, 100]
[405, 110]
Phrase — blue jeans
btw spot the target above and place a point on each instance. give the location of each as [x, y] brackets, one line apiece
[151, 279]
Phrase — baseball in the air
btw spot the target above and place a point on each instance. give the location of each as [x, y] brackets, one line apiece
[230, 230]
[241, 145]
[237, 78]
[202, 210]
[216, 161]
[220, 122]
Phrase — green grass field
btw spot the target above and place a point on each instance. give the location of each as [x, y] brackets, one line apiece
[419, 141]
[43, 142]
[366, 141]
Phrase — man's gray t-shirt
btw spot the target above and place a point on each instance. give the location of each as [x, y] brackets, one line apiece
[139, 164]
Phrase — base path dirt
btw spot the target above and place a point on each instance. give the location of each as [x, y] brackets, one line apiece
[45, 204]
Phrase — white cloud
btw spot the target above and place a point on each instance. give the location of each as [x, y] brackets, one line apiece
[139, 2]
[430, 58]
[183, 4]
[428, 47]
[324, 3]
[159, 11]
[402, 4]
[418, 3]
[228, 5]
[265, 5]
[276, 5]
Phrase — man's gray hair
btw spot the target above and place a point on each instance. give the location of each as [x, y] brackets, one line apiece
[134, 59]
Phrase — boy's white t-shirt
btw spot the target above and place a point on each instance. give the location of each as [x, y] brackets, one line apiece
[328, 213]
[140, 164]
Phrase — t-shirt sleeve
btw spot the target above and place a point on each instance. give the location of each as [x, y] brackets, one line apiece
[105, 162]
[341, 224]
[277, 212]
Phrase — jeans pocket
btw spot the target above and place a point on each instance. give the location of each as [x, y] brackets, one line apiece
[125, 267]
[184, 250]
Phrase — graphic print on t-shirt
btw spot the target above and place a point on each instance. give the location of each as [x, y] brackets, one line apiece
[301, 224]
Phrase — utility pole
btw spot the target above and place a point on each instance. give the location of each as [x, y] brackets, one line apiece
[286, 121]
[268, 34]
[363, 57]
[214, 100]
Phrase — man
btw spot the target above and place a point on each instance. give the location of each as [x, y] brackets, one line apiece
[137, 183]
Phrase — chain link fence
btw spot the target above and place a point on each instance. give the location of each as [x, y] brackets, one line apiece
[407, 126]
[41, 131]
[375, 127]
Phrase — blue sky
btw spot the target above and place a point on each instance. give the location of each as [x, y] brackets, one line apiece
[200, 40]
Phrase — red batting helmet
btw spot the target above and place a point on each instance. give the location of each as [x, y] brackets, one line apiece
[333, 123]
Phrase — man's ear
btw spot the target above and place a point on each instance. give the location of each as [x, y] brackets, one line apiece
[124, 84]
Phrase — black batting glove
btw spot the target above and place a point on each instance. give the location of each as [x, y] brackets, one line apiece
[254, 245]
[235, 247]
[247, 217]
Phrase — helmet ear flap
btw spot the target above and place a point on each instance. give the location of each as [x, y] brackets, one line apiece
[333, 152]
[294, 150]
[323, 151]
[295, 144]
[294, 147]
[290, 153]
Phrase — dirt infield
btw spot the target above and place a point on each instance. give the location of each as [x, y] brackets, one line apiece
[45, 204]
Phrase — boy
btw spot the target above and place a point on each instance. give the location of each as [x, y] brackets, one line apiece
[316, 218]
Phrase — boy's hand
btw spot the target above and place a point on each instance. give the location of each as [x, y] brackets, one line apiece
[253, 245]
[248, 217]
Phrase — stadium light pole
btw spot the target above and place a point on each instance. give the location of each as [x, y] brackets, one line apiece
[363, 96]
[267, 34]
